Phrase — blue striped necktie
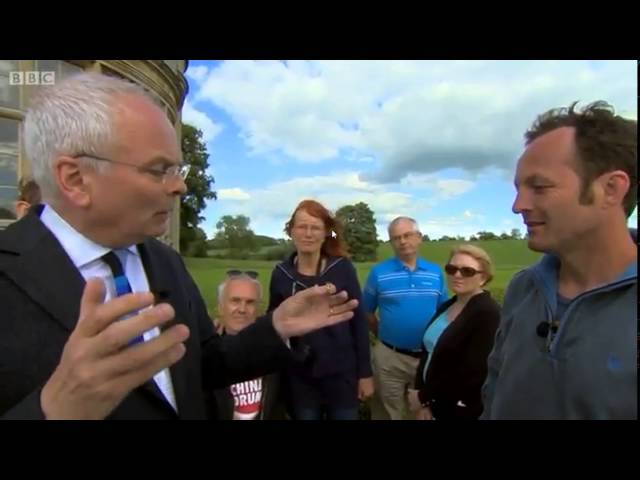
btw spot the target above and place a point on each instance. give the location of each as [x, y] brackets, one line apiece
[115, 259]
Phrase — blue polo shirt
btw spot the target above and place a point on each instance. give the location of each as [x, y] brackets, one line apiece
[405, 300]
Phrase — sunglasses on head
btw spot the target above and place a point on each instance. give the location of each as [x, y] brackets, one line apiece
[464, 271]
[249, 273]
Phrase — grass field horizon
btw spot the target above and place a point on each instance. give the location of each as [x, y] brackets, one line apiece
[509, 257]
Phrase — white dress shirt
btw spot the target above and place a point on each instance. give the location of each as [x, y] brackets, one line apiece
[86, 256]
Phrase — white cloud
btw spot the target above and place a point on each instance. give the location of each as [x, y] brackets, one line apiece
[451, 188]
[270, 207]
[357, 157]
[233, 194]
[409, 116]
[209, 128]
[419, 180]
[466, 224]
[198, 73]
[444, 188]
[273, 204]
[334, 191]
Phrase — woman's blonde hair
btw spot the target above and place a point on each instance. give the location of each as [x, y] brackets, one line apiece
[480, 255]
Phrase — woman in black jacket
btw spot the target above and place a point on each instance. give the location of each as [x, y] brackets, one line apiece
[330, 370]
[457, 342]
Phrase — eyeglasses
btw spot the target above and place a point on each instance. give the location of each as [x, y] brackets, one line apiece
[404, 236]
[315, 229]
[249, 273]
[466, 272]
[163, 174]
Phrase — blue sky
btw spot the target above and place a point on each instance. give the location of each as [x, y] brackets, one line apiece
[434, 140]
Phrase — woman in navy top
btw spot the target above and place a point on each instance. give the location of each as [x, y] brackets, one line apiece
[330, 370]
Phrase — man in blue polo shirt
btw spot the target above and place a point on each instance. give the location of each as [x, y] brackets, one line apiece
[406, 291]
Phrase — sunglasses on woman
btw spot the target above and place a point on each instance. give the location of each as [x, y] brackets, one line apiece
[466, 272]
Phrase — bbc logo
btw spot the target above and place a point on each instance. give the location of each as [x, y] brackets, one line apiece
[32, 78]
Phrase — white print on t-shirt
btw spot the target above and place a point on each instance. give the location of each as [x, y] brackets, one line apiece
[247, 397]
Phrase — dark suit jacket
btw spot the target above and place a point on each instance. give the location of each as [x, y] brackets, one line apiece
[458, 367]
[40, 291]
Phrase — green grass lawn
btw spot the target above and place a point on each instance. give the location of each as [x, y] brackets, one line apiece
[509, 257]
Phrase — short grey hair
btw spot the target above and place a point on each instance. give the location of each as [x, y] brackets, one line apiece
[242, 276]
[73, 116]
[397, 220]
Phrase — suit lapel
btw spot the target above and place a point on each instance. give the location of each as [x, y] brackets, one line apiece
[164, 287]
[40, 266]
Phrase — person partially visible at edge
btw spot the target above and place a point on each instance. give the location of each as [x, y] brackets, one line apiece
[28, 195]
[566, 347]
[331, 369]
